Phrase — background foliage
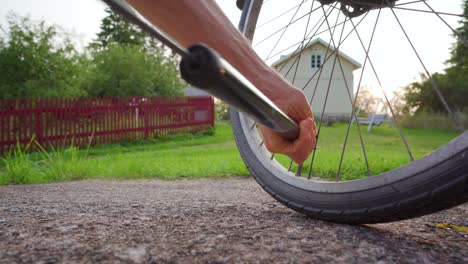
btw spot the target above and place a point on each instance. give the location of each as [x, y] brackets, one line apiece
[39, 60]
[421, 97]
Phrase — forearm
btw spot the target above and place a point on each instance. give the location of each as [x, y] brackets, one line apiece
[190, 22]
[202, 21]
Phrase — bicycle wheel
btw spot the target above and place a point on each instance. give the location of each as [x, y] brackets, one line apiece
[422, 184]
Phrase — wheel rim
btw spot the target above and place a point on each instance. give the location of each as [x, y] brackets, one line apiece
[248, 126]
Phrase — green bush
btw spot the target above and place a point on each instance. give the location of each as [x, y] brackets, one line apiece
[38, 60]
[131, 71]
[222, 112]
[435, 120]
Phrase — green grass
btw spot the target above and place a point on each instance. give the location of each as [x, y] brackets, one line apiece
[384, 149]
[208, 155]
[170, 157]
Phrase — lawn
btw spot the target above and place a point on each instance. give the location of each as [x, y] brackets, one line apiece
[383, 146]
[204, 155]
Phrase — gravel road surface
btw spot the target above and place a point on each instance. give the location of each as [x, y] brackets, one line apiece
[203, 221]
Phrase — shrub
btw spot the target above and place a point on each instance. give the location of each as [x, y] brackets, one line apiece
[435, 120]
[222, 112]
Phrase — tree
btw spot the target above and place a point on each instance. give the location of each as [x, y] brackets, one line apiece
[459, 53]
[367, 101]
[114, 29]
[38, 61]
[420, 95]
[130, 71]
[127, 62]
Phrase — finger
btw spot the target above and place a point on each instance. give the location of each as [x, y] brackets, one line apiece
[300, 149]
[273, 140]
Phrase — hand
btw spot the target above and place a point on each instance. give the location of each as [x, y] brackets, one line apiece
[295, 105]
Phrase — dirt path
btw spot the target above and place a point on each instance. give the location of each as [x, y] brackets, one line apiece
[202, 221]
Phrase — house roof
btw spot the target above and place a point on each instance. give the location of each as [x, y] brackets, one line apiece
[312, 43]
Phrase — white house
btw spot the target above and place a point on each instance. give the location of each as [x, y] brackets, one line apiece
[193, 91]
[312, 61]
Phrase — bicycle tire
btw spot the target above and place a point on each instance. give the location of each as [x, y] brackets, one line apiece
[433, 183]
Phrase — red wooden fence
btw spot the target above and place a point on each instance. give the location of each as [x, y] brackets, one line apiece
[81, 121]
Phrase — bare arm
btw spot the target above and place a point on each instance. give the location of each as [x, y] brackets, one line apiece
[202, 21]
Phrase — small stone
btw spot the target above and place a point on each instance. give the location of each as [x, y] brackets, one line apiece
[137, 255]
[70, 228]
[279, 249]
[257, 237]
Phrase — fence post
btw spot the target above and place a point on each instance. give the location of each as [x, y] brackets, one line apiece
[212, 114]
[53, 120]
[145, 112]
[38, 118]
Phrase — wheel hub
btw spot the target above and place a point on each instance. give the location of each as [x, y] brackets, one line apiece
[354, 8]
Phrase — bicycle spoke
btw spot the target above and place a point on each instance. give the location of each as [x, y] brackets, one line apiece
[338, 175]
[278, 16]
[286, 28]
[281, 29]
[309, 39]
[433, 83]
[302, 46]
[427, 11]
[400, 131]
[299, 170]
[445, 22]
[328, 88]
[409, 3]
[353, 111]
[318, 78]
[333, 52]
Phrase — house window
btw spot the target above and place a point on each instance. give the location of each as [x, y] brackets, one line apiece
[316, 61]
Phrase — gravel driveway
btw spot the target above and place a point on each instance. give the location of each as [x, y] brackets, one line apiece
[203, 221]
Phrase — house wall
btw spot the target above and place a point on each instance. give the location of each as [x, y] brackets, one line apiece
[338, 103]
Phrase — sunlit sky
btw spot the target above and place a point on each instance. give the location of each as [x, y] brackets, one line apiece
[390, 53]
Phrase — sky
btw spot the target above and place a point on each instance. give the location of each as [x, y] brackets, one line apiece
[80, 17]
[390, 52]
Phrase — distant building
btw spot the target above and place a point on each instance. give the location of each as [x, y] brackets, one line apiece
[312, 59]
[192, 91]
